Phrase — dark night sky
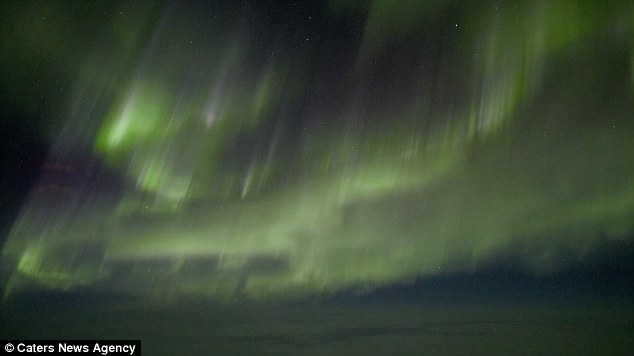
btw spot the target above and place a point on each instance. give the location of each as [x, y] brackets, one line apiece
[318, 148]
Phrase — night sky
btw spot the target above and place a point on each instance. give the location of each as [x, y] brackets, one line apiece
[372, 152]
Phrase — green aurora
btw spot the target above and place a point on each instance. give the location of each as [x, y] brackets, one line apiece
[246, 165]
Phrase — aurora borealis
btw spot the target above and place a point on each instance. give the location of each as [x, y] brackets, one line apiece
[280, 149]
